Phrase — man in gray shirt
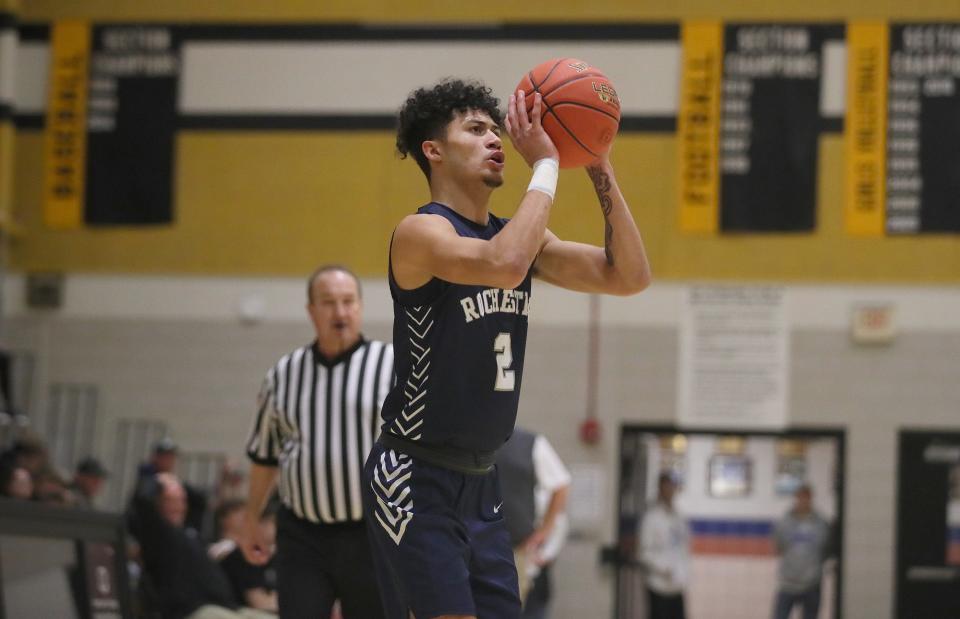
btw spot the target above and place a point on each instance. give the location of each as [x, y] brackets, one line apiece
[803, 542]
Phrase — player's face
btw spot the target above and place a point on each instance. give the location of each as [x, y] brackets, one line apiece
[473, 148]
[335, 310]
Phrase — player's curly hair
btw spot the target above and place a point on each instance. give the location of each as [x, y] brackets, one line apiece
[426, 112]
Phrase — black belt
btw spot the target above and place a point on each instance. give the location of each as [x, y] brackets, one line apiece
[460, 460]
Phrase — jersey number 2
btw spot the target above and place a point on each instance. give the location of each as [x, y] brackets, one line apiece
[504, 350]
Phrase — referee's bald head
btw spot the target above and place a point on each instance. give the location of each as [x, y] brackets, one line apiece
[330, 268]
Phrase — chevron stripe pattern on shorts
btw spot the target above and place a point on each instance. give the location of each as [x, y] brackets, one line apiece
[409, 422]
[391, 488]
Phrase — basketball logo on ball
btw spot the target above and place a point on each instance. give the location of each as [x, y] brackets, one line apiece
[581, 108]
[606, 93]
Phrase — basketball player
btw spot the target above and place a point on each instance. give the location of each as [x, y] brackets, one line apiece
[460, 280]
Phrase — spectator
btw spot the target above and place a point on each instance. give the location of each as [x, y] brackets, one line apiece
[665, 552]
[48, 487]
[230, 516]
[802, 540]
[16, 482]
[526, 463]
[232, 483]
[187, 583]
[88, 480]
[163, 459]
[29, 452]
[254, 586]
[537, 604]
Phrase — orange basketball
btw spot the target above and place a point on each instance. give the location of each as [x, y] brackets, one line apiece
[581, 109]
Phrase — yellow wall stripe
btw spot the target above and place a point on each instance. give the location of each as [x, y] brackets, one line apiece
[698, 126]
[65, 142]
[866, 128]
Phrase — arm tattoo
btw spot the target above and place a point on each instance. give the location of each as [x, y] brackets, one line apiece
[601, 182]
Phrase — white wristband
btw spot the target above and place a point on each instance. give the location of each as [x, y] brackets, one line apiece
[546, 171]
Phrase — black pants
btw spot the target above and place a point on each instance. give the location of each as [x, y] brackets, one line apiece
[538, 599]
[665, 606]
[317, 564]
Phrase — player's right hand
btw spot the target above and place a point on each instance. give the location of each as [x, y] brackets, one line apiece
[257, 550]
[526, 132]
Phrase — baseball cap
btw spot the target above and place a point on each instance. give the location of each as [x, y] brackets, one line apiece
[91, 466]
[165, 445]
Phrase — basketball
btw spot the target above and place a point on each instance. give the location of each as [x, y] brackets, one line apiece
[581, 109]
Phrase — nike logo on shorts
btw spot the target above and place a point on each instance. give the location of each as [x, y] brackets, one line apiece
[496, 509]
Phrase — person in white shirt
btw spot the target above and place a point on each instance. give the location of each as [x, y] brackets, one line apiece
[537, 603]
[665, 553]
[528, 465]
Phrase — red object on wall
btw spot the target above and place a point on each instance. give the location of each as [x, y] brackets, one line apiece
[590, 431]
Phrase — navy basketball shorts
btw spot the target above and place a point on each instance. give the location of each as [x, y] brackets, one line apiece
[440, 545]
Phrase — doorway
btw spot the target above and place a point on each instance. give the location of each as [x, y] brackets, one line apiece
[732, 489]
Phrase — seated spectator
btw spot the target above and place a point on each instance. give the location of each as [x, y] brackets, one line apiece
[230, 515]
[163, 459]
[188, 584]
[254, 585]
[15, 482]
[232, 483]
[87, 482]
[48, 487]
[30, 453]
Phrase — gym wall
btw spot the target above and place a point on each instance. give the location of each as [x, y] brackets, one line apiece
[240, 194]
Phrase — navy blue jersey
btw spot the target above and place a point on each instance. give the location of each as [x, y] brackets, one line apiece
[458, 355]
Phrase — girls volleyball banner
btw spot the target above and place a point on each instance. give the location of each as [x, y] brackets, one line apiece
[903, 129]
[749, 123]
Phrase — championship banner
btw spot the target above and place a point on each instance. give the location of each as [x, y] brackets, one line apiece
[750, 122]
[110, 125]
[923, 129]
[770, 128]
[132, 124]
[903, 143]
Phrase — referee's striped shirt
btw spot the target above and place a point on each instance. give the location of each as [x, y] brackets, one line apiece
[317, 421]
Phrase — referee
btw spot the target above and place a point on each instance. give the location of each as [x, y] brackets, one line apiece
[318, 417]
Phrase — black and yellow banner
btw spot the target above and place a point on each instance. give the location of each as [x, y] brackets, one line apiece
[770, 126]
[65, 147]
[698, 126]
[132, 124]
[903, 129]
[749, 124]
[110, 125]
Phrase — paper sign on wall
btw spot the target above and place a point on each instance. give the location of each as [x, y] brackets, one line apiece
[734, 350]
